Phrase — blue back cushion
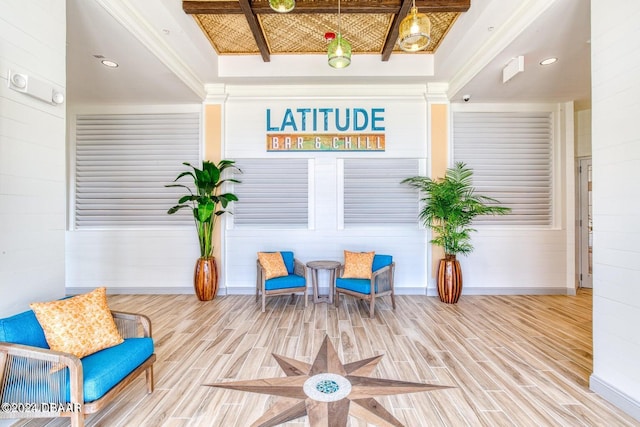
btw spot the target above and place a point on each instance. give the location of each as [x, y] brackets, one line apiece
[380, 261]
[23, 328]
[287, 257]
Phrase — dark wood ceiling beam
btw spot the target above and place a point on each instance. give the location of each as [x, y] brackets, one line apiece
[392, 35]
[256, 30]
[326, 6]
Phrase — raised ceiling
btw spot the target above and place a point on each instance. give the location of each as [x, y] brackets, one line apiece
[251, 27]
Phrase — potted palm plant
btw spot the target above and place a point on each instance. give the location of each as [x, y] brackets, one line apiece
[204, 204]
[450, 205]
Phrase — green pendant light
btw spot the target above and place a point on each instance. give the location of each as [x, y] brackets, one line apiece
[339, 50]
[282, 6]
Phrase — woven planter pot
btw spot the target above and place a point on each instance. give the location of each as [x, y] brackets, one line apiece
[449, 280]
[205, 278]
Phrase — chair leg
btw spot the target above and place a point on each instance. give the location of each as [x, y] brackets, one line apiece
[148, 374]
[337, 299]
[305, 296]
[372, 306]
[264, 301]
[393, 300]
[77, 419]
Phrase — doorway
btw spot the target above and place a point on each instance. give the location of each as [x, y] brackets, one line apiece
[585, 222]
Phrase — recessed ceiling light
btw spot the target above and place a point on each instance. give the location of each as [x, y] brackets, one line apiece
[548, 61]
[109, 64]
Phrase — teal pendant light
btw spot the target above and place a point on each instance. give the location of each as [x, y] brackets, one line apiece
[339, 50]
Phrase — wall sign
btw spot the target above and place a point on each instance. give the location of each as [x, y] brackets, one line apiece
[326, 129]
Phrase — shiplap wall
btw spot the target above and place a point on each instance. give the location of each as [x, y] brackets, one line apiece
[615, 59]
[529, 259]
[506, 259]
[32, 156]
[406, 137]
[157, 259]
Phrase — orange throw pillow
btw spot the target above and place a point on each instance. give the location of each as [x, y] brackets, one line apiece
[80, 325]
[357, 265]
[273, 264]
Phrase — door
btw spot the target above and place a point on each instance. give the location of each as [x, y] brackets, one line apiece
[586, 224]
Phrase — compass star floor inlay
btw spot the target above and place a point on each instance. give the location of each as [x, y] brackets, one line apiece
[327, 391]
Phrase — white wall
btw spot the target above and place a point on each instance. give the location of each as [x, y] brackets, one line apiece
[583, 133]
[406, 137]
[32, 156]
[521, 259]
[126, 260]
[615, 47]
[506, 260]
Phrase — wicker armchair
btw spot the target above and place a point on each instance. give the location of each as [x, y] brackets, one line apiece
[36, 382]
[296, 281]
[380, 284]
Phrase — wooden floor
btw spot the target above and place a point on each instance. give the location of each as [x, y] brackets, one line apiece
[513, 360]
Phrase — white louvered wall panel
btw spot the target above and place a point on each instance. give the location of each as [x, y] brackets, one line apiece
[124, 161]
[511, 157]
[374, 195]
[273, 193]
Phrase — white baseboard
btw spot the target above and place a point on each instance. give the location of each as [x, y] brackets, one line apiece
[250, 290]
[137, 290]
[615, 396]
[433, 292]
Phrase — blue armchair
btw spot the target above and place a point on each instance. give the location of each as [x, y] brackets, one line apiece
[31, 376]
[294, 281]
[380, 284]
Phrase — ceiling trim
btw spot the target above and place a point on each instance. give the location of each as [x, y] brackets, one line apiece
[135, 23]
[499, 40]
[327, 91]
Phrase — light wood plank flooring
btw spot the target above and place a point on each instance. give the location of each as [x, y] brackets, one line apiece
[513, 360]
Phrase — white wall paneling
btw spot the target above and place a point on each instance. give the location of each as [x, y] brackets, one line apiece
[325, 238]
[615, 43]
[32, 156]
[156, 259]
[523, 258]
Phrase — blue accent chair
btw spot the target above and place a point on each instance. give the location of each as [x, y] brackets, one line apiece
[296, 281]
[31, 373]
[380, 284]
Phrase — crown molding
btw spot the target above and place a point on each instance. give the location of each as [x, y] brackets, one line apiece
[136, 24]
[500, 39]
[334, 91]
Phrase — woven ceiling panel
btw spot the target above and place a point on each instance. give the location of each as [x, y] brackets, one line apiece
[304, 33]
[228, 33]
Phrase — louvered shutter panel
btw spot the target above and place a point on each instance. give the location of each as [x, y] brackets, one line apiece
[373, 194]
[273, 193]
[123, 162]
[511, 158]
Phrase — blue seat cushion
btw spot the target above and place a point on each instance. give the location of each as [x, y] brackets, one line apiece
[106, 368]
[101, 371]
[285, 282]
[362, 286]
[23, 328]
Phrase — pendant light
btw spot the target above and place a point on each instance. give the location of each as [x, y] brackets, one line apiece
[282, 6]
[339, 50]
[414, 33]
